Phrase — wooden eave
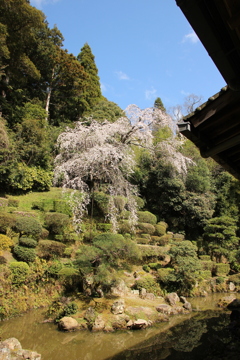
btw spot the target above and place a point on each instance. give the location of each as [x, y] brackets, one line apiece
[215, 126]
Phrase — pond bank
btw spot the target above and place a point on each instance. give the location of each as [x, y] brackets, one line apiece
[85, 345]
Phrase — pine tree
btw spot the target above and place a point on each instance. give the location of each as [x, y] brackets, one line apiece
[158, 104]
[91, 86]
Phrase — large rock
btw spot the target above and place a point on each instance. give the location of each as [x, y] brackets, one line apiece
[186, 304]
[11, 349]
[164, 309]
[120, 289]
[172, 298]
[118, 307]
[99, 324]
[67, 323]
[139, 324]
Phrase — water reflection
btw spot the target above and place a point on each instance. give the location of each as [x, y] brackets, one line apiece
[204, 335]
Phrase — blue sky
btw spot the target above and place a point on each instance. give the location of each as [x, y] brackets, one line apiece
[143, 49]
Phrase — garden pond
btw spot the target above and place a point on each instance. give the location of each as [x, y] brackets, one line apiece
[206, 334]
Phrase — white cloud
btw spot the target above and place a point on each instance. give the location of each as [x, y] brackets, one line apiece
[39, 3]
[191, 37]
[103, 87]
[150, 94]
[183, 92]
[122, 76]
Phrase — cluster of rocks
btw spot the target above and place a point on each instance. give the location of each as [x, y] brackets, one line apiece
[11, 349]
[122, 317]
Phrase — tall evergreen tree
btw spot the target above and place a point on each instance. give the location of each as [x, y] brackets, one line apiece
[158, 104]
[91, 85]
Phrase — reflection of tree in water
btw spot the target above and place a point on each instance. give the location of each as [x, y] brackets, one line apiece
[187, 336]
[205, 336]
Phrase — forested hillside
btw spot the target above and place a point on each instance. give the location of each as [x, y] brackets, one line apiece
[134, 180]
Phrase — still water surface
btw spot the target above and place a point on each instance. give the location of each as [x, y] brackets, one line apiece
[188, 337]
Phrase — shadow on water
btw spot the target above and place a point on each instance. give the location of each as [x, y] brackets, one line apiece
[208, 335]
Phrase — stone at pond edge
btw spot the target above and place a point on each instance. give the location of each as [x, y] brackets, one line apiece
[11, 349]
[67, 323]
[172, 298]
[118, 307]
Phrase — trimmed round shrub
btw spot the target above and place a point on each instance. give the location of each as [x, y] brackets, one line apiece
[5, 242]
[101, 201]
[205, 257]
[208, 265]
[104, 227]
[120, 202]
[140, 202]
[146, 228]
[7, 221]
[44, 234]
[220, 280]
[155, 239]
[3, 204]
[164, 240]
[146, 268]
[28, 242]
[140, 240]
[24, 254]
[20, 271]
[125, 228]
[146, 217]
[178, 237]
[161, 228]
[56, 223]
[206, 274]
[48, 249]
[154, 266]
[28, 226]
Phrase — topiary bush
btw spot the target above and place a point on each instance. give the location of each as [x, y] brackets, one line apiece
[146, 228]
[178, 237]
[54, 268]
[140, 202]
[28, 226]
[24, 254]
[140, 240]
[28, 242]
[125, 228]
[164, 240]
[20, 271]
[7, 221]
[48, 249]
[5, 243]
[56, 223]
[120, 202]
[164, 274]
[154, 266]
[161, 228]
[104, 227]
[146, 217]
[101, 201]
[205, 257]
[208, 265]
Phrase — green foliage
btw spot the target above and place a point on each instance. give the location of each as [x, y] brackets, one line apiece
[206, 274]
[3, 204]
[20, 271]
[140, 240]
[146, 228]
[186, 264]
[151, 252]
[161, 134]
[48, 249]
[28, 226]
[91, 93]
[106, 110]
[28, 242]
[101, 201]
[161, 228]
[222, 269]
[154, 266]
[146, 217]
[220, 237]
[30, 178]
[7, 221]
[165, 274]
[12, 202]
[158, 104]
[104, 227]
[63, 207]
[54, 268]
[56, 223]
[43, 205]
[149, 283]
[207, 264]
[146, 268]
[24, 254]
[198, 177]
[220, 280]
[5, 243]
[164, 239]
